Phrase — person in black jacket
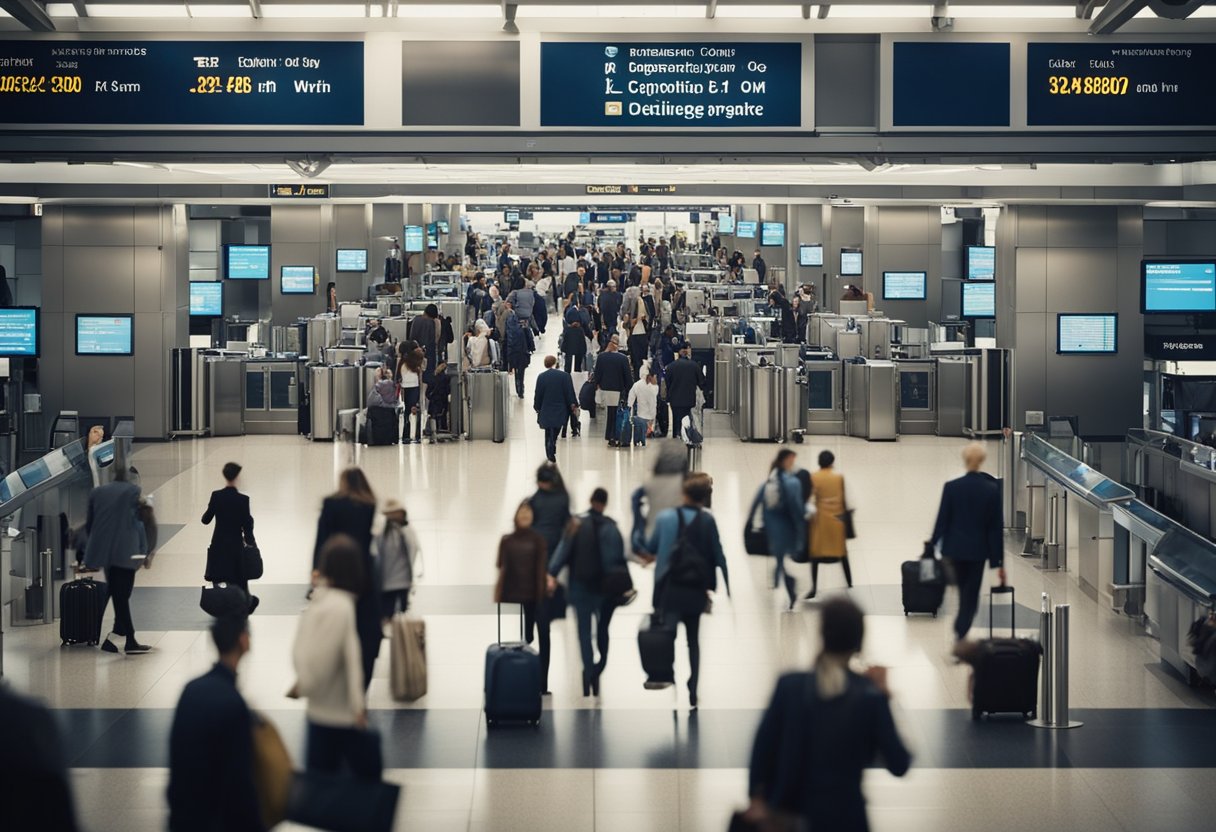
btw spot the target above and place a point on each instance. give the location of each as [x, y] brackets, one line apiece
[969, 527]
[785, 313]
[555, 403]
[683, 381]
[760, 266]
[351, 510]
[613, 377]
[211, 785]
[35, 792]
[229, 508]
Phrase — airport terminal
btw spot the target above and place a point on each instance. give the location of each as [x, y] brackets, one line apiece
[715, 415]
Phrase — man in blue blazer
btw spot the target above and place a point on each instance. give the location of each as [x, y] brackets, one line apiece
[613, 376]
[969, 526]
[554, 402]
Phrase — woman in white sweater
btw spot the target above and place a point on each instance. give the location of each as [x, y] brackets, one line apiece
[329, 667]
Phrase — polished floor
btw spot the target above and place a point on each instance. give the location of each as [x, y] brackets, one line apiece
[631, 759]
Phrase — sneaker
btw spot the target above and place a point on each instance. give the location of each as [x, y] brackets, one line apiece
[135, 648]
[109, 646]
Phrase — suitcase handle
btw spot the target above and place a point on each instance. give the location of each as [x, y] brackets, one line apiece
[1003, 589]
[521, 622]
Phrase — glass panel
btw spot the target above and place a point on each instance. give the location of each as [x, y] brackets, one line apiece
[255, 389]
[819, 390]
[914, 390]
[1077, 475]
[283, 389]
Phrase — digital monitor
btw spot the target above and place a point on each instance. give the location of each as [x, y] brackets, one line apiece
[105, 334]
[510, 216]
[20, 332]
[1087, 334]
[297, 280]
[772, 233]
[444, 228]
[810, 255]
[726, 224]
[247, 262]
[351, 260]
[584, 217]
[745, 229]
[904, 285]
[981, 262]
[432, 241]
[206, 298]
[979, 299]
[1177, 286]
[413, 239]
[850, 262]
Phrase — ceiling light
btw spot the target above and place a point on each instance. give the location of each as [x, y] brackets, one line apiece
[449, 10]
[135, 10]
[786, 11]
[221, 10]
[311, 10]
[61, 10]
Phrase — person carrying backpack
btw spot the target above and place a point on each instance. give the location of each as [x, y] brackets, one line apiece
[688, 552]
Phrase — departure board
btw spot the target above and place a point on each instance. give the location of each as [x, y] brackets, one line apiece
[1083, 333]
[1121, 84]
[159, 82]
[950, 84]
[674, 84]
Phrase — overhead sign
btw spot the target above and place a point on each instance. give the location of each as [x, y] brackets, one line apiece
[1195, 346]
[670, 84]
[299, 190]
[181, 82]
[609, 217]
[1120, 84]
[631, 189]
[950, 84]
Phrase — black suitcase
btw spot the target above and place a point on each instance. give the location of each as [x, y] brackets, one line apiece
[657, 647]
[920, 596]
[512, 683]
[383, 427]
[81, 605]
[1006, 670]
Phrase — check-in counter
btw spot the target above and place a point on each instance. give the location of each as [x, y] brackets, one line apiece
[1181, 587]
[871, 400]
[270, 402]
[761, 402]
[917, 396]
[1174, 476]
[952, 373]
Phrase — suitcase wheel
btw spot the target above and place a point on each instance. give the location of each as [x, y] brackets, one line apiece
[976, 714]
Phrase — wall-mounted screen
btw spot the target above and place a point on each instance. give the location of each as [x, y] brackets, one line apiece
[206, 298]
[510, 216]
[979, 299]
[772, 233]
[444, 228]
[1177, 286]
[105, 334]
[247, 262]
[1086, 334]
[981, 262]
[745, 229]
[904, 285]
[297, 280]
[414, 240]
[351, 260]
[726, 224]
[20, 332]
[810, 255]
[850, 262]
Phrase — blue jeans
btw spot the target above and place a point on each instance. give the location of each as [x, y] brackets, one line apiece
[588, 605]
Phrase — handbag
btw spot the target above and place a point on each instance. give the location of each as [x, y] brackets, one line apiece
[342, 804]
[252, 567]
[272, 771]
[755, 539]
[219, 601]
[555, 604]
[847, 520]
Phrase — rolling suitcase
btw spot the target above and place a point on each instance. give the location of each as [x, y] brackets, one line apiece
[383, 426]
[657, 647]
[1006, 670]
[407, 657]
[81, 604]
[920, 595]
[512, 684]
[624, 427]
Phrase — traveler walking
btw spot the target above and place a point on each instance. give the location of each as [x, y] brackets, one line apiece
[760, 266]
[211, 783]
[593, 549]
[554, 402]
[828, 541]
[574, 334]
[518, 352]
[523, 301]
[550, 516]
[609, 302]
[229, 508]
[523, 561]
[116, 543]
[688, 554]
[821, 731]
[684, 379]
[968, 528]
[780, 497]
[397, 556]
[613, 378]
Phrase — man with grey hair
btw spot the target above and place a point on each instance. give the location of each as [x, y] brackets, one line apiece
[969, 526]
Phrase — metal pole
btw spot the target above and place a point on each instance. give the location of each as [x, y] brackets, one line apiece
[1059, 671]
[1046, 715]
[48, 587]
[1051, 549]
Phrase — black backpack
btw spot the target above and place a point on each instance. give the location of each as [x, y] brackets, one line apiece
[690, 567]
[586, 564]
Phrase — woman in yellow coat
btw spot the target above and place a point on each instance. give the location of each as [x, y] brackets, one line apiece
[828, 543]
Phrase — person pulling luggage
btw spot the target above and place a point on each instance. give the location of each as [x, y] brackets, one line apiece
[229, 508]
[784, 517]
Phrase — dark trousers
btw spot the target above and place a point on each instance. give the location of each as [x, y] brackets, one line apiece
[519, 381]
[638, 350]
[411, 398]
[970, 576]
[394, 601]
[660, 422]
[593, 606]
[610, 431]
[575, 358]
[329, 748]
[536, 624]
[122, 582]
[848, 573]
[692, 629]
[678, 415]
[551, 443]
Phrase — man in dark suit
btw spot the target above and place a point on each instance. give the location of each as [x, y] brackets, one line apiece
[554, 402]
[229, 508]
[613, 377]
[683, 381]
[35, 792]
[211, 745]
[969, 527]
[116, 544]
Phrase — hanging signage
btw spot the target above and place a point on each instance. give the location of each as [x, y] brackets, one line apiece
[673, 84]
[609, 217]
[658, 190]
[1121, 84]
[1190, 347]
[161, 82]
[950, 84]
[299, 190]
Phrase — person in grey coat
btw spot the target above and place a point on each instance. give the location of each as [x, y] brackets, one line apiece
[523, 302]
[117, 543]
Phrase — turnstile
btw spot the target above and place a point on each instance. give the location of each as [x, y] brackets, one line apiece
[271, 397]
[824, 398]
[917, 396]
[871, 400]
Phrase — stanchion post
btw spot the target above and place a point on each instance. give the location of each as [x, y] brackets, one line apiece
[1046, 715]
[48, 586]
[1060, 671]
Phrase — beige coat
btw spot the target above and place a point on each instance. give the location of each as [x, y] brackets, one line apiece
[827, 532]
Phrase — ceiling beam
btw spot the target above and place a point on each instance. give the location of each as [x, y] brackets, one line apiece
[1114, 14]
[81, 9]
[255, 9]
[29, 14]
[711, 9]
[824, 11]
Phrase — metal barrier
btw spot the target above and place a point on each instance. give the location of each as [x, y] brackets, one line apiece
[1053, 683]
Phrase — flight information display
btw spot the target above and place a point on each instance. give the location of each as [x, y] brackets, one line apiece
[950, 84]
[903, 285]
[161, 82]
[414, 240]
[979, 300]
[772, 233]
[105, 335]
[981, 262]
[726, 224]
[1178, 287]
[351, 260]
[674, 84]
[850, 262]
[297, 280]
[247, 262]
[745, 229]
[810, 255]
[19, 332]
[1083, 333]
[1120, 84]
[207, 298]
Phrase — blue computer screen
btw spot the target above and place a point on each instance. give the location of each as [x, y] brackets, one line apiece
[297, 280]
[352, 260]
[981, 262]
[1179, 287]
[207, 298]
[979, 300]
[19, 335]
[745, 229]
[726, 224]
[772, 233]
[105, 335]
[247, 262]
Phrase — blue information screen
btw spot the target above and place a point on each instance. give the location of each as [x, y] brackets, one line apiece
[745, 229]
[950, 84]
[981, 262]
[414, 242]
[207, 298]
[851, 262]
[19, 332]
[1121, 84]
[772, 233]
[105, 335]
[608, 217]
[810, 255]
[247, 262]
[161, 82]
[726, 224]
[979, 300]
[1179, 287]
[1087, 333]
[903, 285]
[670, 84]
[351, 260]
[584, 217]
[297, 280]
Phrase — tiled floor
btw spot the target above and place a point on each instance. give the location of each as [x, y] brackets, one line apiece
[633, 759]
